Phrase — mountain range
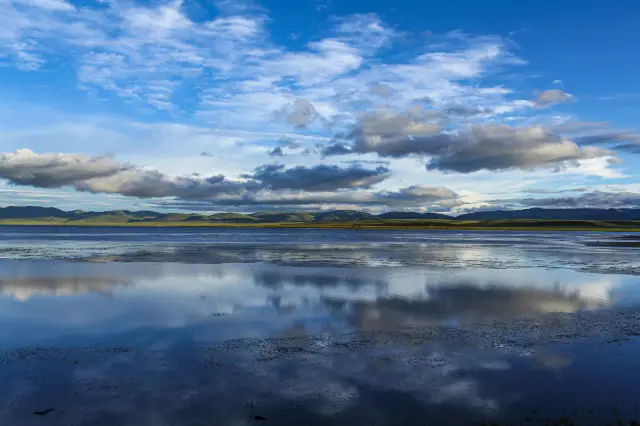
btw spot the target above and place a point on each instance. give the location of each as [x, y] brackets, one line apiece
[31, 213]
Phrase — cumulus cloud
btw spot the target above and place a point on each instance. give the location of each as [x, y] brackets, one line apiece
[387, 134]
[496, 148]
[301, 114]
[155, 184]
[319, 178]
[552, 96]
[337, 149]
[477, 147]
[104, 175]
[25, 167]
[276, 152]
[418, 197]
[268, 185]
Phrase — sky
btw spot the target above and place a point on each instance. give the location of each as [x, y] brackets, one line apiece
[307, 105]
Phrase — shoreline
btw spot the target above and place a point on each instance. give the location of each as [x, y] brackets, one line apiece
[526, 226]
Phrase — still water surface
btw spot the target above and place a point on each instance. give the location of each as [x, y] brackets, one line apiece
[231, 327]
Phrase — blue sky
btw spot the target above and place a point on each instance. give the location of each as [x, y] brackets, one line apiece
[388, 105]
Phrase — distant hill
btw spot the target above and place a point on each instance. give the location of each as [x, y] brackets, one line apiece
[282, 217]
[555, 214]
[170, 217]
[32, 212]
[343, 215]
[50, 214]
[413, 215]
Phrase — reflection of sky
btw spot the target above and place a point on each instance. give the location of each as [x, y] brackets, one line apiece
[55, 298]
[438, 250]
[316, 381]
[314, 316]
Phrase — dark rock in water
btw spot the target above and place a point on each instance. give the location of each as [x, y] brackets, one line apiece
[258, 417]
[44, 412]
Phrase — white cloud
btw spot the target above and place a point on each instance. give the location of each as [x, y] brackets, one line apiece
[158, 21]
[600, 167]
[553, 96]
[268, 185]
[148, 54]
[24, 167]
[54, 5]
[477, 147]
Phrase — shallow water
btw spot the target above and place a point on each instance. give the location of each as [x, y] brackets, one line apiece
[227, 327]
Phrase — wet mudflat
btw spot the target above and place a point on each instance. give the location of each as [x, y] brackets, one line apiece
[217, 327]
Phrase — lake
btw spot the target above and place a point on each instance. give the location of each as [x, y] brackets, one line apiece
[215, 326]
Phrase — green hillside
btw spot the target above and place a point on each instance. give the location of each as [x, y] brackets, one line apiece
[538, 219]
[231, 218]
[337, 215]
[283, 217]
